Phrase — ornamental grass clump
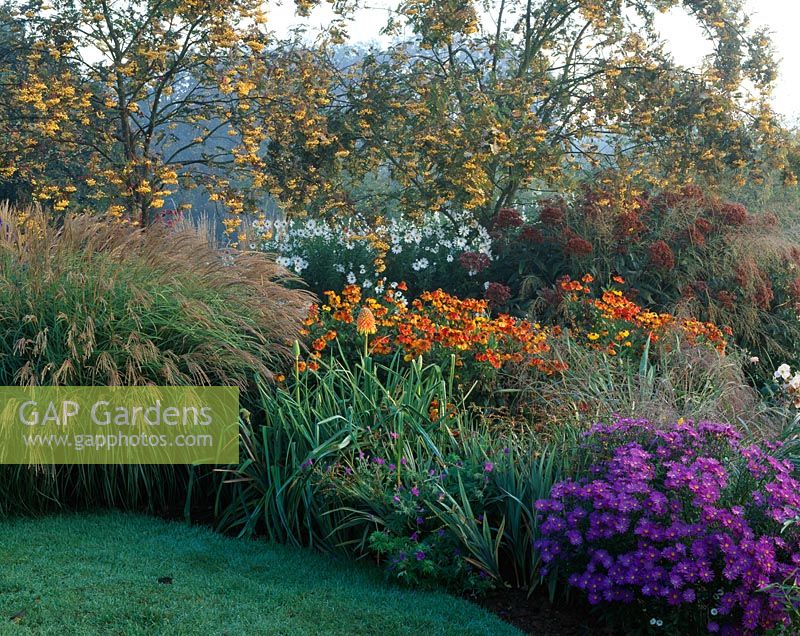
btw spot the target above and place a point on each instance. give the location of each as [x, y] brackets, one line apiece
[99, 303]
[679, 529]
[93, 303]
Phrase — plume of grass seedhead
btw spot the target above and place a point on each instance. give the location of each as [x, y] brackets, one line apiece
[91, 303]
[668, 381]
[97, 303]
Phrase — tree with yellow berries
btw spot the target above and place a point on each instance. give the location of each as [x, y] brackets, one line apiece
[119, 102]
[485, 106]
[114, 104]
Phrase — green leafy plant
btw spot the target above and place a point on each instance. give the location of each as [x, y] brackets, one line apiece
[93, 303]
[390, 460]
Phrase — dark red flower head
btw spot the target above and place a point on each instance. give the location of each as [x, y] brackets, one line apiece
[507, 218]
[661, 255]
[552, 212]
[497, 294]
[734, 214]
[531, 234]
[474, 262]
[578, 246]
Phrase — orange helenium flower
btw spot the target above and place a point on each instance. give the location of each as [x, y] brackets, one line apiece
[613, 312]
[437, 324]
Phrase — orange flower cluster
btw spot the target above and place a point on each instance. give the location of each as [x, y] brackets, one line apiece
[616, 321]
[434, 325]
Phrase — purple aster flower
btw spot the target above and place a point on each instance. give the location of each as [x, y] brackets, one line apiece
[655, 517]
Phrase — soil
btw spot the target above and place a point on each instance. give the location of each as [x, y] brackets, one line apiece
[537, 615]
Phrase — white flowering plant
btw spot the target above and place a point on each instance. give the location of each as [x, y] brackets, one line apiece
[789, 383]
[441, 252]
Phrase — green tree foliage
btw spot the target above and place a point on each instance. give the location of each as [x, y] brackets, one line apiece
[114, 103]
[459, 116]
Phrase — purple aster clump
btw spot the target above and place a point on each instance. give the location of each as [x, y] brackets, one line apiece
[686, 522]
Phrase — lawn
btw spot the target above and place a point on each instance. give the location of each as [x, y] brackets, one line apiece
[127, 574]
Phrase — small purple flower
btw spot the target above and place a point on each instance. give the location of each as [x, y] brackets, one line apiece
[574, 537]
[657, 517]
[488, 466]
[420, 555]
[415, 491]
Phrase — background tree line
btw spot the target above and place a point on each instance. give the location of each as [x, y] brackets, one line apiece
[117, 105]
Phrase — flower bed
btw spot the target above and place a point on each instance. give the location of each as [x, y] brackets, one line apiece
[612, 322]
[436, 325]
[684, 523]
[438, 252]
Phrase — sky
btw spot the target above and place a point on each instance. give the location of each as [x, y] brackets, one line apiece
[685, 39]
[781, 17]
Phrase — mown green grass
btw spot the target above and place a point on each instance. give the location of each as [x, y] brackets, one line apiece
[98, 574]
